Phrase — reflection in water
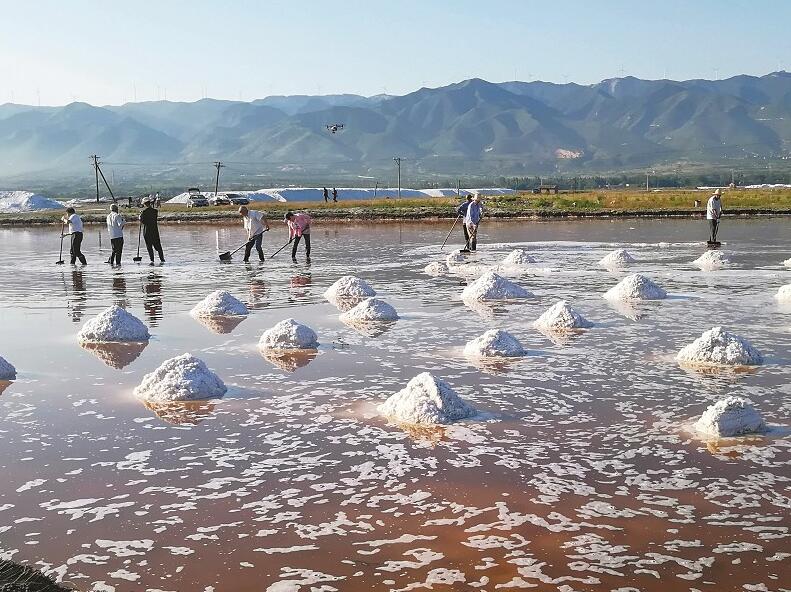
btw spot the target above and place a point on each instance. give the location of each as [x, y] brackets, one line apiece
[4, 384]
[75, 302]
[369, 328]
[298, 283]
[119, 289]
[428, 434]
[715, 369]
[181, 412]
[258, 293]
[290, 360]
[345, 304]
[560, 336]
[627, 309]
[494, 364]
[152, 299]
[115, 355]
[220, 324]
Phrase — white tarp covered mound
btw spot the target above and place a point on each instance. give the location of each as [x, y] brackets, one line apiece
[289, 335]
[349, 287]
[114, 324]
[183, 378]
[7, 370]
[784, 293]
[25, 201]
[518, 257]
[718, 347]
[561, 317]
[491, 286]
[618, 258]
[635, 287]
[728, 417]
[370, 310]
[436, 268]
[219, 303]
[715, 259]
[426, 400]
[494, 343]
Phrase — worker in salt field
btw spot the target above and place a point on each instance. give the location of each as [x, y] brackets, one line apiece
[461, 212]
[75, 231]
[298, 227]
[326, 195]
[334, 194]
[115, 228]
[472, 220]
[255, 224]
[148, 218]
[713, 214]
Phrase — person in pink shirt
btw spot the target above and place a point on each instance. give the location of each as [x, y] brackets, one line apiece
[298, 227]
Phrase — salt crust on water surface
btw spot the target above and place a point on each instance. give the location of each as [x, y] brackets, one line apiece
[495, 342]
[370, 309]
[731, 416]
[712, 260]
[114, 324]
[722, 348]
[784, 293]
[561, 317]
[219, 303]
[635, 287]
[436, 268]
[183, 378]
[288, 335]
[491, 286]
[7, 370]
[426, 400]
[617, 258]
[349, 286]
[518, 257]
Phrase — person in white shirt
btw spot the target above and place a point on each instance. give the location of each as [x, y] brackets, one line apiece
[713, 214]
[255, 224]
[115, 228]
[75, 231]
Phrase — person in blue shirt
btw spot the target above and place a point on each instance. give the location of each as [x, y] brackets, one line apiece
[472, 219]
[461, 211]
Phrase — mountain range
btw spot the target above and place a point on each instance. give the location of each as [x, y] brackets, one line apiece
[473, 126]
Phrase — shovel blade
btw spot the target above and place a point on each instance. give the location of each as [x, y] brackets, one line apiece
[61, 262]
[225, 256]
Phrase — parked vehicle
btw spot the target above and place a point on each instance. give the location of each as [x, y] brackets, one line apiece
[219, 200]
[237, 199]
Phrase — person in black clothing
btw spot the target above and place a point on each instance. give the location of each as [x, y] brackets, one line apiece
[462, 211]
[75, 231]
[148, 218]
[326, 195]
[334, 194]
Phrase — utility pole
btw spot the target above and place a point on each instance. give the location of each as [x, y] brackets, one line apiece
[96, 173]
[397, 160]
[646, 180]
[218, 165]
[458, 187]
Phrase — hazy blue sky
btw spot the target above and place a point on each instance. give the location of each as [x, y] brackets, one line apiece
[113, 51]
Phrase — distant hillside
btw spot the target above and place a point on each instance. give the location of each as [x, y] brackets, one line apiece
[465, 128]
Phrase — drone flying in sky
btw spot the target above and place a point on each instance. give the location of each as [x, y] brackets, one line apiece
[334, 127]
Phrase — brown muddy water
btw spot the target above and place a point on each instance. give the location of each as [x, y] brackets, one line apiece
[583, 475]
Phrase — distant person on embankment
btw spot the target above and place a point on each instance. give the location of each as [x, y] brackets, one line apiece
[326, 195]
[334, 194]
[461, 212]
[472, 220]
[75, 230]
[298, 227]
[254, 224]
[148, 218]
[713, 214]
[115, 228]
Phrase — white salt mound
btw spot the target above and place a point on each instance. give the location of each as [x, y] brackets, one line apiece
[518, 257]
[219, 303]
[784, 293]
[436, 268]
[25, 201]
[617, 258]
[426, 400]
[370, 309]
[349, 286]
[721, 348]
[495, 342]
[289, 334]
[491, 286]
[114, 324]
[635, 287]
[787, 262]
[561, 317]
[7, 371]
[183, 378]
[712, 260]
[455, 259]
[731, 416]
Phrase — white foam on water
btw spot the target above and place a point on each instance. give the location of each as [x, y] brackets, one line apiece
[518, 257]
[436, 268]
[720, 348]
[7, 370]
[114, 324]
[491, 286]
[635, 287]
[618, 258]
[494, 342]
[183, 378]
[427, 400]
[370, 309]
[784, 293]
[561, 317]
[219, 303]
[349, 287]
[288, 334]
[714, 259]
[728, 417]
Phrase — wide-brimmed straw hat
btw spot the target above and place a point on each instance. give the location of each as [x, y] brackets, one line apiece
[718, 191]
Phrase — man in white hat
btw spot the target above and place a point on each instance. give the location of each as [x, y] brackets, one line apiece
[713, 214]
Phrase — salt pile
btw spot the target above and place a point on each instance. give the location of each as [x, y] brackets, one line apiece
[25, 201]
[518, 257]
[114, 324]
[455, 259]
[183, 378]
[787, 262]
[784, 293]
[436, 268]
[561, 317]
[635, 287]
[491, 286]
[370, 309]
[721, 348]
[728, 417]
[495, 342]
[7, 371]
[426, 400]
[289, 334]
[349, 286]
[712, 260]
[219, 303]
[618, 258]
